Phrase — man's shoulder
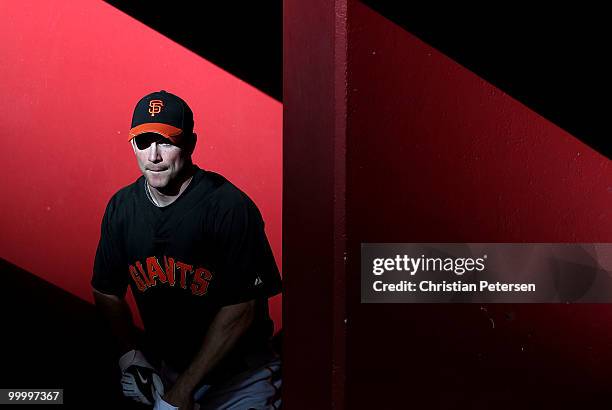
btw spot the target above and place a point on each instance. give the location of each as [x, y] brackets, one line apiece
[127, 192]
[123, 198]
[227, 195]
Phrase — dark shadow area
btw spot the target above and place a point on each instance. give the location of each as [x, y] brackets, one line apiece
[52, 339]
[552, 59]
[242, 38]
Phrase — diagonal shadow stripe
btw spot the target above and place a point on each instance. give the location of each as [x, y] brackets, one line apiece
[53, 339]
[551, 59]
[244, 39]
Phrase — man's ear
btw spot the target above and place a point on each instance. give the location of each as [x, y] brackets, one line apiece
[194, 139]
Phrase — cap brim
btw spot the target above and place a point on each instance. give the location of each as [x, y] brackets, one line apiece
[165, 130]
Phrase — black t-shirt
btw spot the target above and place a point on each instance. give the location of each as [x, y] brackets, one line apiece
[206, 250]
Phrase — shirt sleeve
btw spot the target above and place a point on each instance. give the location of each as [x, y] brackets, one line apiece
[109, 271]
[248, 269]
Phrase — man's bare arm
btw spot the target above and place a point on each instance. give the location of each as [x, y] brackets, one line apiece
[228, 325]
[117, 312]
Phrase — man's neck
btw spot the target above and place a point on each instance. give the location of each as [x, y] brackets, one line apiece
[171, 193]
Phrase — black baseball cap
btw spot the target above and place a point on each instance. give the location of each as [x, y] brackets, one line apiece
[162, 113]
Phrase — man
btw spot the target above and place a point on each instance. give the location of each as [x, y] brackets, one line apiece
[193, 250]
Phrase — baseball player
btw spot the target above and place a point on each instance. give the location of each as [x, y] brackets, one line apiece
[192, 248]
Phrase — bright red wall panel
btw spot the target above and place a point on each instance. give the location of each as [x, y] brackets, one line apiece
[71, 73]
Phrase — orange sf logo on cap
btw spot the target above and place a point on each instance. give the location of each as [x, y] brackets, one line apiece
[155, 107]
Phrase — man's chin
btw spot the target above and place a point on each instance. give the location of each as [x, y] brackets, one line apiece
[157, 182]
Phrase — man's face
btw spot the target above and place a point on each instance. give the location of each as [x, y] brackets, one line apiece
[159, 160]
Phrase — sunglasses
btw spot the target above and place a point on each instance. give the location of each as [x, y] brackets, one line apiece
[144, 141]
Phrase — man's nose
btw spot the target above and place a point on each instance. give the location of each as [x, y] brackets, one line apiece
[154, 155]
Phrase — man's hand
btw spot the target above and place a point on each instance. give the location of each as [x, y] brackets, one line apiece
[161, 404]
[180, 397]
[139, 380]
[229, 324]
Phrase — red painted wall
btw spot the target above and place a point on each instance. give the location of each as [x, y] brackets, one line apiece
[71, 74]
[436, 154]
